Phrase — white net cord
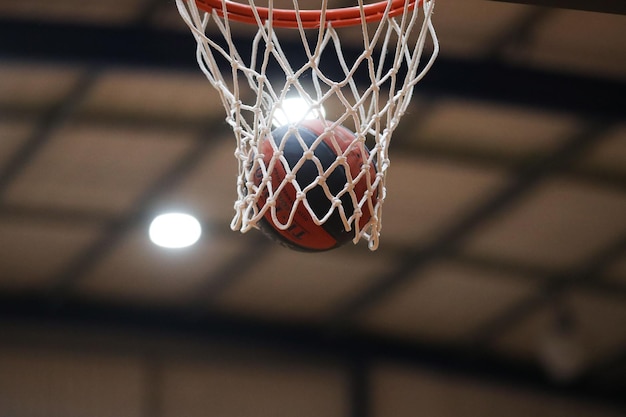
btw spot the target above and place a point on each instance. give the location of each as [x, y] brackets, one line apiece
[258, 71]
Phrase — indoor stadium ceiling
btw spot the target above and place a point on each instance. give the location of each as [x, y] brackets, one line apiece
[504, 225]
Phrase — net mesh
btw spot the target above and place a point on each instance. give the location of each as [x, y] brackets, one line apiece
[360, 77]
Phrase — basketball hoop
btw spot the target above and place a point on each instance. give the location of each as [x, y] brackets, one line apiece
[309, 19]
[353, 67]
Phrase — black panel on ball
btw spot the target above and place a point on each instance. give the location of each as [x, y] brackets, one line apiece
[308, 172]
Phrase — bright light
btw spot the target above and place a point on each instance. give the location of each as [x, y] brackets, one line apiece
[293, 110]
[175, 230]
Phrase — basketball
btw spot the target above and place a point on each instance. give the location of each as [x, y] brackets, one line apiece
[304, 234]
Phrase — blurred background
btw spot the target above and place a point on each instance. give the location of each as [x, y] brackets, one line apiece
[499, 287]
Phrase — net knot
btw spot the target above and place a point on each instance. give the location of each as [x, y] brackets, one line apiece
[335, 88]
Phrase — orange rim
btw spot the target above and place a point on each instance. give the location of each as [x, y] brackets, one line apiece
[347, 16]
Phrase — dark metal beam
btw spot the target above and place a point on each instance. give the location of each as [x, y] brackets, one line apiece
[104, 119]
[102, 46]
[167, 49]
[609, 371]
[438, 151]
[360, 385]
[516, 85]
[592, 269]
[604, 6]
[230, 273]
[55, 215]
[45, 127]
[519, 32]
[541, 276]
[303, 340]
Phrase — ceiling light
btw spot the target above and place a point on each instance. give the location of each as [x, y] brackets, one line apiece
[175, 230]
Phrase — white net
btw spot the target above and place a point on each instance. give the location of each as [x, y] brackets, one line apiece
[359, 78]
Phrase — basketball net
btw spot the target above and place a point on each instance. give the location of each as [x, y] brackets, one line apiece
[359, 73]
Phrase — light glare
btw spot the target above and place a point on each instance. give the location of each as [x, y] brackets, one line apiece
[175, 230]
[294, 110]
